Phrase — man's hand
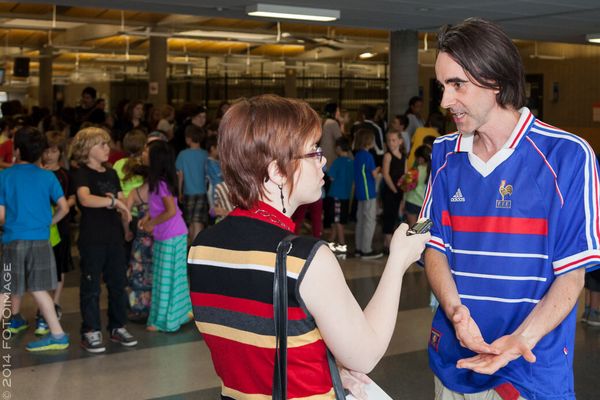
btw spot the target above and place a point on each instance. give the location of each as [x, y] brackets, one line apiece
[511, 347]
[468, 333]
[355, 382]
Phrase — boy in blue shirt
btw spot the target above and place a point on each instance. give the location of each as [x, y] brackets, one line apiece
[365, 173]
[341, 175]
[191, 171]
[28, 261]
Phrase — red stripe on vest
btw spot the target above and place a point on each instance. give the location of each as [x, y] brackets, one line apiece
[251, 307]
[249, 369]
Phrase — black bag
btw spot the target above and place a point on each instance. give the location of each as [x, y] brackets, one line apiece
[280, 309]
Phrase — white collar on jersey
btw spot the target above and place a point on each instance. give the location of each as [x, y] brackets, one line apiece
[465, 144]
[465, 140]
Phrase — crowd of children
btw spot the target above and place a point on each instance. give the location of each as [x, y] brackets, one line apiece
[124, 191]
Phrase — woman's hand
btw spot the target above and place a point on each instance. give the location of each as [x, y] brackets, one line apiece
[355, 382]
[407, 249]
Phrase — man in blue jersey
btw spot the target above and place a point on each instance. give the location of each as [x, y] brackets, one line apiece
[515, 208]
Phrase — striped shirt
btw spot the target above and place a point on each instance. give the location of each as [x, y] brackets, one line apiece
[509, 227]
[231, 282]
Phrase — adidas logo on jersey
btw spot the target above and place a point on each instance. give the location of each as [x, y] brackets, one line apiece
[458, 197]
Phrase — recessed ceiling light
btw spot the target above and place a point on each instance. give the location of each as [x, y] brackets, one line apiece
[289, 12]
[366, 55]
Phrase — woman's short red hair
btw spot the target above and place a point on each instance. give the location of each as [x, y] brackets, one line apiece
[256, 131]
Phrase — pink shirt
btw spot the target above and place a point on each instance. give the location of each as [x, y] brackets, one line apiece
[172, 227]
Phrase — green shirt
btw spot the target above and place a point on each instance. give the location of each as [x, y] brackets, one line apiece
[417, 195]
[127, 186]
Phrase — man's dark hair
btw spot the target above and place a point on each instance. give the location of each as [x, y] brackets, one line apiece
[488, 56]
[89, 90]
[31, 143]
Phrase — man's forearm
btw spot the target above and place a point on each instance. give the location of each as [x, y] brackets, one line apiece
[553, 308]
[441, 281]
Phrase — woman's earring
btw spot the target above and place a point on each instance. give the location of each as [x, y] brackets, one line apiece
[281, 193]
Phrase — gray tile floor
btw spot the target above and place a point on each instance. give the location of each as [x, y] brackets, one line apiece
[178, 366]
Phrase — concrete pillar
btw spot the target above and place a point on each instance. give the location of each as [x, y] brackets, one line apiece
[45, 92]
[157, 71]
[290, 89]
[404, 70]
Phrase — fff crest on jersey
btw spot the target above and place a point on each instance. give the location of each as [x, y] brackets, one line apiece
[505, 190]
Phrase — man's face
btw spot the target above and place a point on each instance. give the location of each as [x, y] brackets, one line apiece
[87, 101]
[471, 106]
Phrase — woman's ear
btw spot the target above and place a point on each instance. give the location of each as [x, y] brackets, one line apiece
[275, 174]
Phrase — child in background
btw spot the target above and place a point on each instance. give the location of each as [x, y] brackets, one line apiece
[399, 124]
[25, 212]
[341, 176]
[413, 200]
[191, 173]
[394, 164]
[171, 304]
[365, 173]
[52, 161]
[104, 217]
[213, 171]
[128, 169]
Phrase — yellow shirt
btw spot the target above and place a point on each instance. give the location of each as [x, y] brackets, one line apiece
[417, 140]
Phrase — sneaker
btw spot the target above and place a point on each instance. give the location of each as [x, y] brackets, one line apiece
[341, 248]
[585, 315]
[357, 253]
[371, 255]
[92, 342]
[49, 342]
[122, 335]
[332, 246]
[17, 324]
[594, 318]
[58, 310]
[41, 326]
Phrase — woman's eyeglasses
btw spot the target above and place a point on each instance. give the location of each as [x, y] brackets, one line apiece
[318, 154]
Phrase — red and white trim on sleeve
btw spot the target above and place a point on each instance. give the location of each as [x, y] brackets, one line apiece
[437, 243]
[589, 259]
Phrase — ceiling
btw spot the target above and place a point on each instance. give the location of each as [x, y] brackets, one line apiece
[115, 34]
[522, 19]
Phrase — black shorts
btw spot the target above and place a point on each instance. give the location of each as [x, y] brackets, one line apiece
[338, 209]
[592, 280]
[411, 208]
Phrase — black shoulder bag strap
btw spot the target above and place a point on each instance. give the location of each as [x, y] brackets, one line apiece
[280, 316]
[280, 309]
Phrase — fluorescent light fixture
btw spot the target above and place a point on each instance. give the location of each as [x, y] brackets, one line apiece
[366, 55]
[227, 35]
[35, 24]
[289, 12]
[593, 37]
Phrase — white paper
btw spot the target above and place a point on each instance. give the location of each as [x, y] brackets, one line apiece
[374, 392]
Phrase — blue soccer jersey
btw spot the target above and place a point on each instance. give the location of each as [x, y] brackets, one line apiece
[509, 227]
